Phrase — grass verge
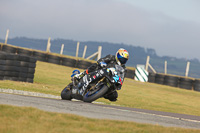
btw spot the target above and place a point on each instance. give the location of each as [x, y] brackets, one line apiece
[25, 119]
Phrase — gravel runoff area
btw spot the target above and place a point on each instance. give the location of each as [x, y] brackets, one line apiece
[27, 93]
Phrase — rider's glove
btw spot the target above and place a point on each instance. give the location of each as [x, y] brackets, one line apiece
[102, 64]
[80, 75]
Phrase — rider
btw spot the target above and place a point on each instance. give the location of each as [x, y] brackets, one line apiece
[120, 58]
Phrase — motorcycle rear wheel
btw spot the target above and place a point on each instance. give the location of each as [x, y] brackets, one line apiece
[66, 93]
[88, 97]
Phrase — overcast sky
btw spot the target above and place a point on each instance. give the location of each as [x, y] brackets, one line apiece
[171, 27]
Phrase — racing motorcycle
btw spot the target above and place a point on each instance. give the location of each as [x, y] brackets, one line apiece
[107, 81]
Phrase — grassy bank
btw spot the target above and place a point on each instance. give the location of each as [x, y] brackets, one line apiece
[51, 79]
[24, 120]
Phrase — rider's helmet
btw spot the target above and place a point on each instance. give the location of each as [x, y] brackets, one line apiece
[122, 56]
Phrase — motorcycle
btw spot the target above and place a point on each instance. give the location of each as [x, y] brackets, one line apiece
[107, 81]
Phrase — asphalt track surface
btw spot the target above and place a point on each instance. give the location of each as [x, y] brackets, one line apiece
[100, 111]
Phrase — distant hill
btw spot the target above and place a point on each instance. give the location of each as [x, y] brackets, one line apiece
[138, 54]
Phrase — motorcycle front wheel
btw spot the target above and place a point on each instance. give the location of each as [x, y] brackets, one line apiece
[93, 95]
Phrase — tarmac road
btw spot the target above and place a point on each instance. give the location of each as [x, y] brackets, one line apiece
[103, 111]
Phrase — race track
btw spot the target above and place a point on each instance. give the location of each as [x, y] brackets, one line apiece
[103, 111]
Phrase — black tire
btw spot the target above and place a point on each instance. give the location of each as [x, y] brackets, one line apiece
[25, 52]
[2, 73]
[12, 63]
[40, 56]
[159, 79]
[2, 67]
[23, 75]
[12, 57]
[83, 64]
[31, 70]
[186, 83]
[171, 81]
[151, 77]
[99, 93]
[24, 69]
[32, 65]
[24, 58]
[30, 76]
[1, 77]
[197, 85]
[130, 73]
[30, 80]
[66, 93]
[24, 64]
[2, 62]
[68, 62]
[32, 60]
[11, 73]
[1, 45]
[10, 78]
[54, 59]
[12, 68]
[2, 56]
[22, 79]
[9, 49]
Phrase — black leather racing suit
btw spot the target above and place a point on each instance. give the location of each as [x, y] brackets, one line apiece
[110, 61]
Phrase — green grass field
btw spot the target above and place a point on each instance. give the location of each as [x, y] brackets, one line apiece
[31, 120]
[51, 79]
